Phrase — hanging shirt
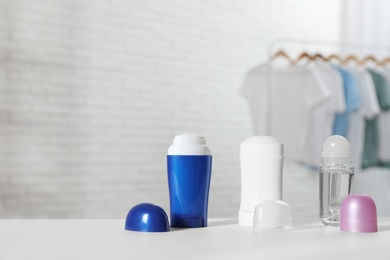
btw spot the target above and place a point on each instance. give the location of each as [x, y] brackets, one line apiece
[369, 109]
[352, 101]
[371, 137]
[384, 130]
[322, 116]
[281, 100]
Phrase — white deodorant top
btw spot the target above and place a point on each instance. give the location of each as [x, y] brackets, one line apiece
[262, 143]
[336, 146]
[189, 144]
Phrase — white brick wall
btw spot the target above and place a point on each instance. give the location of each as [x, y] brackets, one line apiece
[92, 93]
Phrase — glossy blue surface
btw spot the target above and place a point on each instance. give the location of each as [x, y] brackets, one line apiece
[189, 183]
[147, 217]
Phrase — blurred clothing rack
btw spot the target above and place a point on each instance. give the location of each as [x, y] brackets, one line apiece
[318, 45]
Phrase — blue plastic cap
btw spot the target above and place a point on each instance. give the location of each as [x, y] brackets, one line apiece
[147, 217]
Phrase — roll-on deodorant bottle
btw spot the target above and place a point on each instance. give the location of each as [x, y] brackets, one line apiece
[336, 178]
[189, 173]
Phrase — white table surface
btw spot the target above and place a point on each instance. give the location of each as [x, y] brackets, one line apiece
[223, 239]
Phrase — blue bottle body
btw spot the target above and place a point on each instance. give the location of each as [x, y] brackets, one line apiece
[189, 184]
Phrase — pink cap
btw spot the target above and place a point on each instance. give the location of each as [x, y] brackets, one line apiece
[358, 214]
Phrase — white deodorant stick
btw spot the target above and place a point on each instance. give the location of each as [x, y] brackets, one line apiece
[261, 159]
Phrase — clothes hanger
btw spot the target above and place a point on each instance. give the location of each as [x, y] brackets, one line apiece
[384, 61]
[283, 54]
[334, 57]
[371, 58]
[352, 58]
[304, 55]
[320, 56]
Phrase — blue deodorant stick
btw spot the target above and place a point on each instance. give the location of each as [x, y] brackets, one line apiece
[189, 163]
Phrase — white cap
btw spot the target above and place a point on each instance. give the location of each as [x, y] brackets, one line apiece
[272, 214]
[336, 146]
[262, 143]
[189, 138]
[189, 144]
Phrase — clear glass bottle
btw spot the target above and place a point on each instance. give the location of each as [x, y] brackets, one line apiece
[336, 178]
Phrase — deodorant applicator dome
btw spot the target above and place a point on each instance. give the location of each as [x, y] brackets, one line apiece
[336, 178]
[261, 159]
[336, 147]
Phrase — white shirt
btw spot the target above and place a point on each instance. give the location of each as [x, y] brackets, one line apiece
[281, 100]
[322, 116]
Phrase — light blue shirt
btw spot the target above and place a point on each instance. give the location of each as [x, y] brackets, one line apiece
[352, 101]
